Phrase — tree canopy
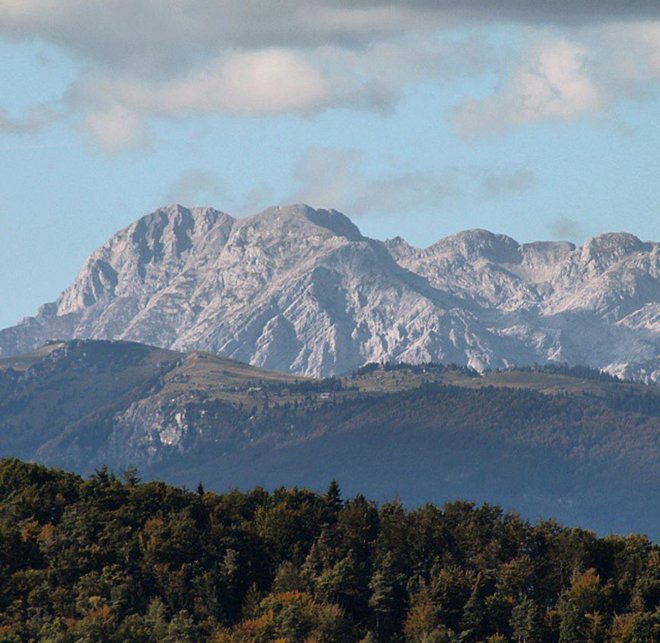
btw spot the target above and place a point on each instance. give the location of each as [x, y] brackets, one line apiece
[110, 559]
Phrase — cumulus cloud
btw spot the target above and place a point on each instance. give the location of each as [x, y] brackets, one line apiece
[262, 82]
[626, 59]
[139, 61]
[276, 81]
[341, 178]
[118, 129]
[562, 79]
[554, 83]
[649, 37]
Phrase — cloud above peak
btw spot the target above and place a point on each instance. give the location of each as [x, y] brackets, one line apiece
[342, 178]
[259, 82]
[564, 228]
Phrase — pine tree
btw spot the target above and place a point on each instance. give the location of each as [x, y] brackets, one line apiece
[387, 598]
[333, 499]
[131, 477]
[526, 621]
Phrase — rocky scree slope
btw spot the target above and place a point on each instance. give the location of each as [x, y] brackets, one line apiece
[302, 290]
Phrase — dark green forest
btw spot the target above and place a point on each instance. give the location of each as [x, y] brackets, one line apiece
[111, 558]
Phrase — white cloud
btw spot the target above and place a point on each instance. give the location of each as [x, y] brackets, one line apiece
[262, 82]
[275, 81]
[139, 60]
[117, 130]
[555, 82]
[649, 37]
[628, 58]
[271, 82]
[562, 79]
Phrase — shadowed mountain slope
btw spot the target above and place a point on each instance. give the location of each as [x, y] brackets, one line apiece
[568, 443]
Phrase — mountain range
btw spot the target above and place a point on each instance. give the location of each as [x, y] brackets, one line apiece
[301, 290]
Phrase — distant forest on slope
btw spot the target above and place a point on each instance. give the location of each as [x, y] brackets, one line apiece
[552, 441]
[115, 559]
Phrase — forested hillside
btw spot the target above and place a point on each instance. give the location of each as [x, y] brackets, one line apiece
[568, 443]
[108, 559]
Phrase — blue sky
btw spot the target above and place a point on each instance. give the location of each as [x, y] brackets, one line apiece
[413, 119]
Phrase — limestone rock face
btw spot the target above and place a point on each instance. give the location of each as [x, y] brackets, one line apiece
[298, 289]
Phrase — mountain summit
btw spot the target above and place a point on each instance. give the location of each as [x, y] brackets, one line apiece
[299, 289]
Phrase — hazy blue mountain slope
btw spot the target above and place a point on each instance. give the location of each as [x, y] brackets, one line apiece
[566, 443]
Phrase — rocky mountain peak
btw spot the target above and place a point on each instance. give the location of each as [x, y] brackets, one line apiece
[336, 222]
[606, 249]
[480, 244]
[553, 249]
[174, 220]
[300, 289]
[146, 254]
[301, 216]
[399, 248]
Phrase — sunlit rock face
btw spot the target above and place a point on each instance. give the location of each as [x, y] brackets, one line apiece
[298, 289]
